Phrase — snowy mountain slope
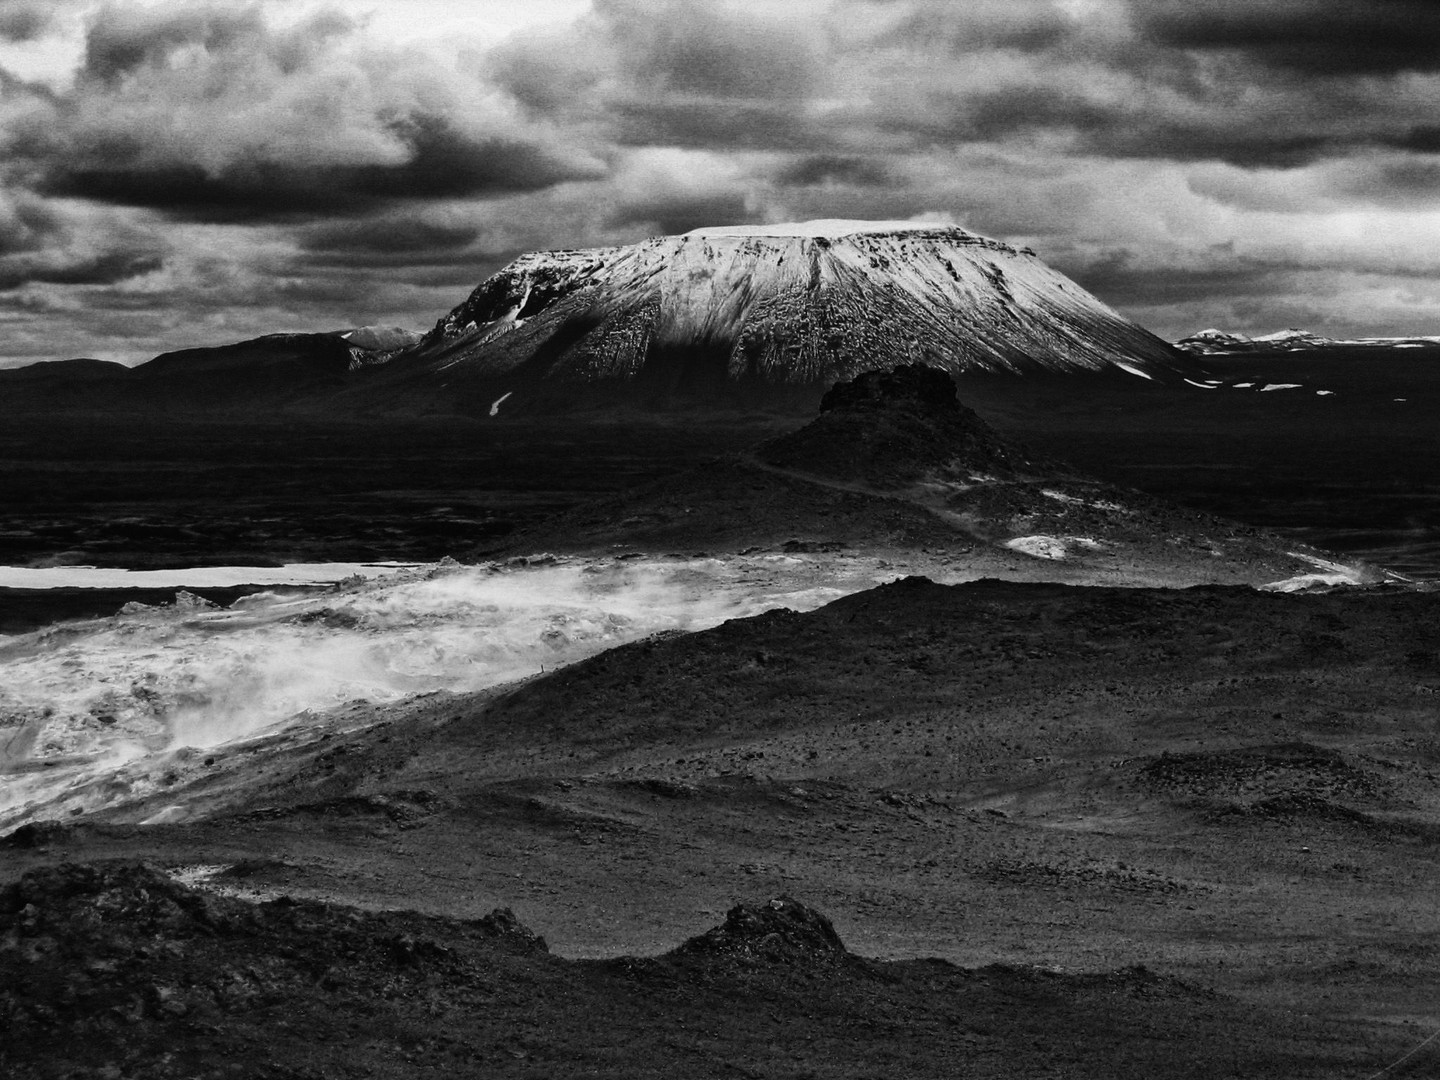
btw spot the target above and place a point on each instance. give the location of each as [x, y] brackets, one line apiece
[800, 304]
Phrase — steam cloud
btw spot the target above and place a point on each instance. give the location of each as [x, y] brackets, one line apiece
[83, 698]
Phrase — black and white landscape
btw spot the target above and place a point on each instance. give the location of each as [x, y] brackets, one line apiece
[659, 539]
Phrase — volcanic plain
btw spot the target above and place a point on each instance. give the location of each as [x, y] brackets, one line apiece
[994, 828]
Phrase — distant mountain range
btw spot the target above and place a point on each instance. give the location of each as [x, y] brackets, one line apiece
[1220, 343]
[287, 369]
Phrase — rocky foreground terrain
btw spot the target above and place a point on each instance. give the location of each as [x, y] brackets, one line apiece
[995, 828]
[1236, 791]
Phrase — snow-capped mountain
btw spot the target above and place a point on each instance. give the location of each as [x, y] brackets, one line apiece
[798, 304]
[1219, 342]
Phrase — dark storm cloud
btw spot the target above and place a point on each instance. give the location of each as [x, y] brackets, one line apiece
[206, 113]
[392, 242]
[25, 22]
[27, 225]
[990, 116]
[1399, 183]
[733, 125]
[442, 163]
[682, 73]
[120, 41]
[124, 40]
[1123, 277]
[677, 213]
[1116, 79]
[978, 27]
[1422, 137]
[106, 269]
[1197, 142]
[824, 169]
[1119, 128]
[1313, 37]
[388, 234]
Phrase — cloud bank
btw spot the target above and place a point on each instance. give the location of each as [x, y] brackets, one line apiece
[189, 172]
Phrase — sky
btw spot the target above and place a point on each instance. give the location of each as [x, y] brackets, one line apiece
[188, 173]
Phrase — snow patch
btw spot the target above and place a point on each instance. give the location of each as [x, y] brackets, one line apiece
[1327, 573]
[1097, 504]
[1039, 547]
[1203, 385]
[1054, 548]
[1324, 393]
[1134, 370]
[1281, 386]
[495, 405]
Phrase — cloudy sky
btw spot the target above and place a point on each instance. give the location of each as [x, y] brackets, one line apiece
[182, 173]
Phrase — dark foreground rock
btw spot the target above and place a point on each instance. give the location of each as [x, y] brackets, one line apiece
[118, 970]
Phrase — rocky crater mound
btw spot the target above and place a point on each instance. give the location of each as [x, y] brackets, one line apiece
[893, 428]
[781, 930]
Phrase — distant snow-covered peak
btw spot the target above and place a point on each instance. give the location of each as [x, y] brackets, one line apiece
[1216, 342]
[1293, 334]
[830, 228]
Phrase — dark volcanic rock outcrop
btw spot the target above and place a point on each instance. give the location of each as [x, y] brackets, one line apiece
[890, 428]
[781, 930]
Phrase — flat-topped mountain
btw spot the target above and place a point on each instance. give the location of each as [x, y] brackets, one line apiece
[781, 305]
